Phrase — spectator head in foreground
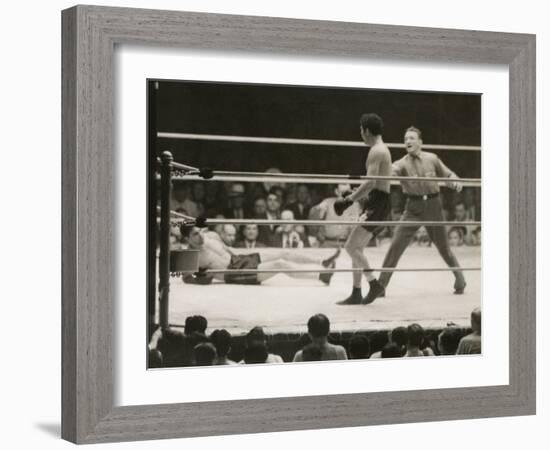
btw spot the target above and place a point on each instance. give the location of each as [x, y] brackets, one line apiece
[471, 344]
[399, 336]
[415, 339]
[359, 347]
[391, 350]
[448, 339]
[475, 319]
[154, 359]
[195, 324]
[256, 334]
[222, 341]
[255, 353]
[172, 347]
[318, 327]
[205, 354]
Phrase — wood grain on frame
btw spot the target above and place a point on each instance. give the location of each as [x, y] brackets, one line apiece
[89, 36]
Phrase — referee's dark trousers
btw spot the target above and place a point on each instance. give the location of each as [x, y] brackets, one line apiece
[420, 208]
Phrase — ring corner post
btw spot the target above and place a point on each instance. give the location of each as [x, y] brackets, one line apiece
[164, 257]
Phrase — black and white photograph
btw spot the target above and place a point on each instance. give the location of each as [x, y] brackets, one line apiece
[305, 223]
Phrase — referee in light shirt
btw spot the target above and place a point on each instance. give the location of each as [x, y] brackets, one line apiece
[423, 203]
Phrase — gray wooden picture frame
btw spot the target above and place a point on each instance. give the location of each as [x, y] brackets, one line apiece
[90, 34]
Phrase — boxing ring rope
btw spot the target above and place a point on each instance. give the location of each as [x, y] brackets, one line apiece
[330, 179]
[319, 142]
[168, 167]
[351, 269]
[242, 176]
[202, 222]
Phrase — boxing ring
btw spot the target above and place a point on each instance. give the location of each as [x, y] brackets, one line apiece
[283, 304]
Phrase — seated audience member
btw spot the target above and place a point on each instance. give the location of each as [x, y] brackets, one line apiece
[273, 212]
[415, 342]
[260, 208]
[476, 236]
[400, 337]
[257, 335]
[181, 200]
[222, 341]
[312, 352]
[205, 354]
[288, 236]
[268, 185]
[422, 238]
[391, 350]
[476, 206]
[195, 324]
[212, 199]
[456, 236]
[462, 214]
[175, 237]
[154, 359]
[471, 344]
[253, 192]
[195, 329]
[250, 237]
[377, 341]
[448, 339]
[280, 192]
[358, 347]
[172, 346]
[469, 203]
[260, 212]
[318, 327]
[397, 336]
[301, 206]
[199, 195]
[218, 228]
[236, 202]
[256, 353]
[333, 235]
[228, 234]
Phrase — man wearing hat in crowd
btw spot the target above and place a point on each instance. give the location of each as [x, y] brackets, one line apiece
[236, 202]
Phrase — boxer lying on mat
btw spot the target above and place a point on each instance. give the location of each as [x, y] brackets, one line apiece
[215, 255]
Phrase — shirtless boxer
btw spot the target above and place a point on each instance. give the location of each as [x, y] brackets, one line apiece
[377, 205]
[215, 255]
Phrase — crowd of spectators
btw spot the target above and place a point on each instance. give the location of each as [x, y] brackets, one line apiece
[307, 201]
[194, 347]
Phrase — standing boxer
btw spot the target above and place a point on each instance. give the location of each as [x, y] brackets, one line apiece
[377, 205]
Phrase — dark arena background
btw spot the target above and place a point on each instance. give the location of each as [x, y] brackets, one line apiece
[282, 305]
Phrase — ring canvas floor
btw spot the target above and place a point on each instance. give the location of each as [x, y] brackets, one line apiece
[283, 304]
